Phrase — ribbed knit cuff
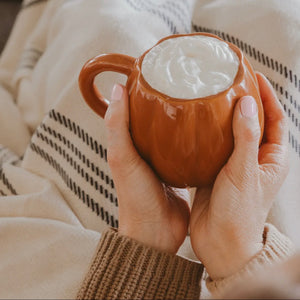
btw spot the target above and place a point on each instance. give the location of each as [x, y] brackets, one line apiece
[277, 248]
[126, 269]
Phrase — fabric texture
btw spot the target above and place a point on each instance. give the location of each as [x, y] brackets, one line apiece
[146, 273]
[151, 274]
[276, 248]
[56, 190]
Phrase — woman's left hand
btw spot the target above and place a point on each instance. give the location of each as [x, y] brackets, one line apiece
[227, 220]
[149, 212]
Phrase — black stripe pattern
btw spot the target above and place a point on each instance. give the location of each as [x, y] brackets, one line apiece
[75, 165]
[173, 13]
[75, 188]
[83, 135]
[294, 143]
[74, 158]
[58, 136]
[6, 156]
[256, 54]
[2, 193]
[275, 66]
[6, 182]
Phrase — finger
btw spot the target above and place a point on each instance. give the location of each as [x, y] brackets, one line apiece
[246, 131]
[180, 198]
[200, 205]
[275, 131]
[122, 155]
[274, 150]
[177, 193]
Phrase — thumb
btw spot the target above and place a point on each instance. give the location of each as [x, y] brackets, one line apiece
[246, 132]
[121, 153]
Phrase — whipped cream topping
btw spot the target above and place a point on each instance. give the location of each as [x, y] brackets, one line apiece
[190, 67]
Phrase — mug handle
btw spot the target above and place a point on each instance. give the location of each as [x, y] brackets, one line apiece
[105, 62]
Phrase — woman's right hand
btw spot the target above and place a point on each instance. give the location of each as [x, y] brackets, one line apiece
[227, 220]
[149, 211]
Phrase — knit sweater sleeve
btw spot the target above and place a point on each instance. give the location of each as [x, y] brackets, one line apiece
[126, 269]
[276, 248]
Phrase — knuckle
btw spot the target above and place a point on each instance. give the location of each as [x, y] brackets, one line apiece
[276, 175]
[250, 135]
[281, 116]
[109, 118]
[240, 176]
[278, 171]
[280, 153]
[112, 117]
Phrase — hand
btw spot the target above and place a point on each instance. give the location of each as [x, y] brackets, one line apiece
[227, 220]
[149, 212]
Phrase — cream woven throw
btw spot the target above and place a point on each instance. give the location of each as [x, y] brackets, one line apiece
[56, 190]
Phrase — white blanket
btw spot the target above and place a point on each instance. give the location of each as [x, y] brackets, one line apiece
[56, 191]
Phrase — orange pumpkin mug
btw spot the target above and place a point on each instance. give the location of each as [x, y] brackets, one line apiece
[185, 141]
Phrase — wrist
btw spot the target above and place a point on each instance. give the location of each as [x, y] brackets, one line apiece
[226, 261]
[150, 235]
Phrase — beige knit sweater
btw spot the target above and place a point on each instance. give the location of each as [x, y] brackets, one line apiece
[126, 269]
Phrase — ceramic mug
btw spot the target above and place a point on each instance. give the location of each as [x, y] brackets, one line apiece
[186, 142]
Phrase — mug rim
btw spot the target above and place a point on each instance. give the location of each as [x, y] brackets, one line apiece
[237, 80]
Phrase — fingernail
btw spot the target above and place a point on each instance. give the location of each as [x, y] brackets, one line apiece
[248, 107]
[117, 92]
